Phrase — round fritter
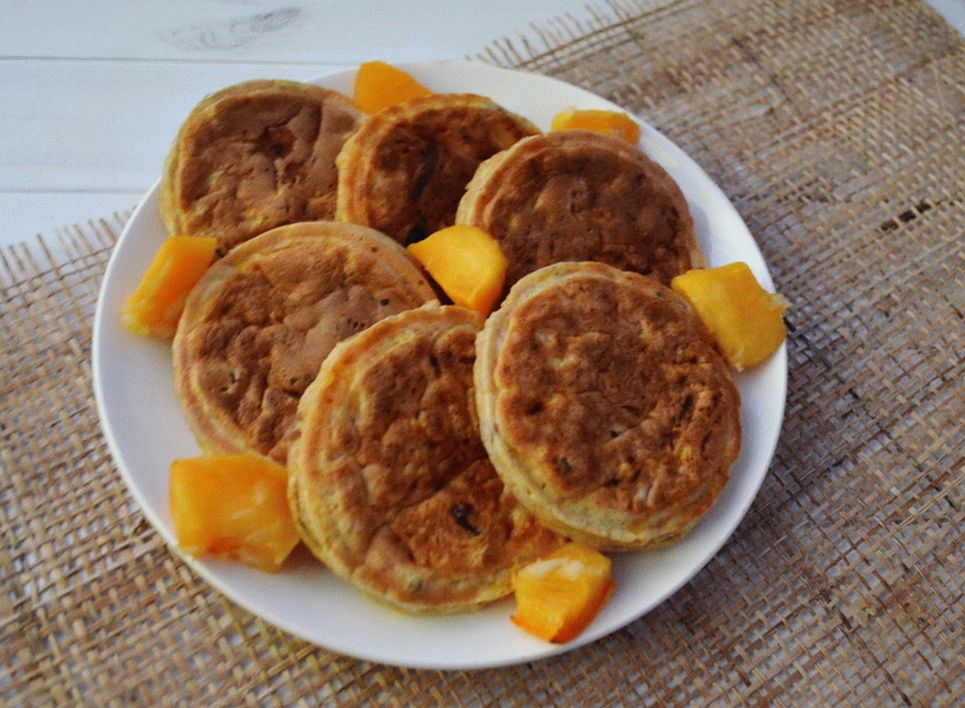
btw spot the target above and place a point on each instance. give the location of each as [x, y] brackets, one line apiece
[580, 196]
[260, 322]
[605, 406]
[406, 169]
[253, 156]
[389, 483]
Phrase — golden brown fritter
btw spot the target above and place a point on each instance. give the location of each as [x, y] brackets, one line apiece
[405, 171]
[605, 406]
[581, 196]
[253, 156]
[260, 322]
[390, 485]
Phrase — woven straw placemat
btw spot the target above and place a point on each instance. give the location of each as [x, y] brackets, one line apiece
[836, 128]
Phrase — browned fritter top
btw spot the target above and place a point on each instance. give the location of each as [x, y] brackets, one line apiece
[406, 170]
[610, 383]
[254, 156]
[393, 488]
[259, 325]
[581, 196]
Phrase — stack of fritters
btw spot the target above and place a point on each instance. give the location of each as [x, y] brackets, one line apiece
[607, 414]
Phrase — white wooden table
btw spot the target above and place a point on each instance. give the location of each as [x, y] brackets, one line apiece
[93, 92]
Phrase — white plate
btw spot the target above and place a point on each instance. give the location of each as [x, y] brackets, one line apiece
[146, 430]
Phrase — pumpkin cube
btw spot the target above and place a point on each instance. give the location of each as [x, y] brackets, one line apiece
[745, 319]
[467, 263]
[234, 506]
[156, 304]
[558, 596]
[379, 85]
[613, 123]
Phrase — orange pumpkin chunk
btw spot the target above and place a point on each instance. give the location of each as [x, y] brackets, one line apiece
[155, 306]
[467, 263]
[379, 85]
[234, 506]
[743, 317]
[614, 123]
[558, 596]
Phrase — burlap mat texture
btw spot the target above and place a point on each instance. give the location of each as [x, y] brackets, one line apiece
[836, 128]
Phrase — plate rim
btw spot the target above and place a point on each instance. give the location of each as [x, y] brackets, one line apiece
[206, 567]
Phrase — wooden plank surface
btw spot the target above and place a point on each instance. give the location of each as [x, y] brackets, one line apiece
[93, 92]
